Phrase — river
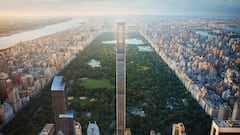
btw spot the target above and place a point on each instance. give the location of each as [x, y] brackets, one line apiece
[231, 28]
[8, 41]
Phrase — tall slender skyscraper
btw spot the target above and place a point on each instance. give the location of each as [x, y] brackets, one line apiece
[59, 104]
[120, 78]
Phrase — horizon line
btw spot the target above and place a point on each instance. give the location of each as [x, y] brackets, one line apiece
[116, 15]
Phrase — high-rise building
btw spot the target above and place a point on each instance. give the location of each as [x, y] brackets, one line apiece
[93, 129]
[236, 111]
[224, 111]
[59, 104]
[128, 131]
[178, 129]
[15, 100]
[3, 86]
[120, 79]
[225, 127]
[6, 113]
[152, 132]
[15, 77]
[78, 128]
[9, 84]
[2, 64]
[48, 129]
[67, 124]
[27, 81]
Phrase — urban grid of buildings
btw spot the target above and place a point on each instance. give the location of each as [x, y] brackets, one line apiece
[204, 54]
[28, 66]
[208, 65]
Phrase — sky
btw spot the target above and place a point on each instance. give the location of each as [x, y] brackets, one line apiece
[119, 7]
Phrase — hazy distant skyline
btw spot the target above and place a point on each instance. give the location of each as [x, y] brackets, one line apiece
[119, 7]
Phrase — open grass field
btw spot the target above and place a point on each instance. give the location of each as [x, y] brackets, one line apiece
[95, 84]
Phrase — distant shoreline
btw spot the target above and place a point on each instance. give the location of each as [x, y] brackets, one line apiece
[34, 26]
[14, 39]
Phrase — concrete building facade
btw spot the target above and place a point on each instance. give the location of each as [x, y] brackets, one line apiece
[178, 129]
[236, 111]
[225, 127]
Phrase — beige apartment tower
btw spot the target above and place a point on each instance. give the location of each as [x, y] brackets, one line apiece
[225, 127]
[121, 78]
[178, 129]
[223, 112]
[236, 111]
[128, 131]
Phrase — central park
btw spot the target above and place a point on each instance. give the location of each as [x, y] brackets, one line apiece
[156, 98]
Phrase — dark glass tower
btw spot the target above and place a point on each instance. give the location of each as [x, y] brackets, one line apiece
[58, 94]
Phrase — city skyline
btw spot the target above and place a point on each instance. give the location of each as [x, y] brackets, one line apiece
[133, 67]
[178, 70]
[117, 7]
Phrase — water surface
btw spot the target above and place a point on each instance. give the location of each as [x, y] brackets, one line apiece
[11, 40]
[132, 41]
[204, 33]
[230, 28]
[94, 63]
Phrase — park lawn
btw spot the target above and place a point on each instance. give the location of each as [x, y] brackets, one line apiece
[95, 84]
[145, 68]
[78, 102]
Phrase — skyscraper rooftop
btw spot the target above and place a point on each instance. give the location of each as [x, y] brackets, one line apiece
[227, 123]
[58, 84]
[67, 115]
[178, 129]
[48, 129]
[225, 127]
[93, 129]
